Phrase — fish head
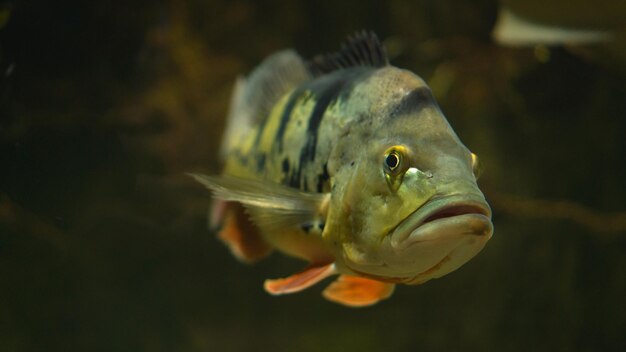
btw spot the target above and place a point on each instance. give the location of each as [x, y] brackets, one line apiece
[405, 205]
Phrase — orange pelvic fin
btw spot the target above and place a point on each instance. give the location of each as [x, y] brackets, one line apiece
[357, 291]
[300, 281]
[238, 232]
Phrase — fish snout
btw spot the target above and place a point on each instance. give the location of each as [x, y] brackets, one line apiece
[440, 237]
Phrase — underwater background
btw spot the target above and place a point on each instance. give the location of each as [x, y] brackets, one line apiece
[104, 243]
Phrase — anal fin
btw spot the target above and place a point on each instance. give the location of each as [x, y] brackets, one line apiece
[357, 291]
[239, 234]
[300, 281]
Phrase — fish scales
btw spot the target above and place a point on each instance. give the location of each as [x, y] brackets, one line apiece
[348, 163]
[290, 140]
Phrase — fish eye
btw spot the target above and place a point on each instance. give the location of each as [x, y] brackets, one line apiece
[477, 168]
[393, 162]
[394, 165]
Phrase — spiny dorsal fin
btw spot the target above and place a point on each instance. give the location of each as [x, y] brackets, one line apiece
[254, 96]
[360, 49]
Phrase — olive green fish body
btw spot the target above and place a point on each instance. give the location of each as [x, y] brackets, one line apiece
[292, 145]
[349, 163]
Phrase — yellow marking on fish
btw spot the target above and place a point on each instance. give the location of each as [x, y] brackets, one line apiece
[353, 168]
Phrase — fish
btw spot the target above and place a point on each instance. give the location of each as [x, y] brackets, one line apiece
[594, 31]
[347, 163]
[514, 30]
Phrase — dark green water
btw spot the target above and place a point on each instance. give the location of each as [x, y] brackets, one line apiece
[103, 240]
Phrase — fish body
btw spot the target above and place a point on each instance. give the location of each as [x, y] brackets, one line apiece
[595, 31]
[348, 163]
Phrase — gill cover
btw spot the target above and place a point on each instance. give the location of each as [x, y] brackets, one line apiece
[394, 167]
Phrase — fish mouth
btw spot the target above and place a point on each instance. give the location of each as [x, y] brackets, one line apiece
[455, 210]
[444, 217]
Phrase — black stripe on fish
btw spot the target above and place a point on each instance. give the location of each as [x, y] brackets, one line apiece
[259, 132]
[413, 102]
[324, 99]
[285, 117]
[285, 165]
[260, 162]
[243, 159]
[322, 178]
[324, 91]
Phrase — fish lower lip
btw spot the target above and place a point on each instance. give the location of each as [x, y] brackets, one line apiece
[469, 224]
[455, 210]
[441, 212]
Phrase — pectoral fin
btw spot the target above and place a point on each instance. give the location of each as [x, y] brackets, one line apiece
[271, 206]
[300, 281]
[357, 291]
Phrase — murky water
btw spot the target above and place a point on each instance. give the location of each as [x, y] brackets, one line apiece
[103, 240]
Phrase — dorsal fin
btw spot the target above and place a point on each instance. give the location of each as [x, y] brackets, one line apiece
[254, 96]
[360, 49]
